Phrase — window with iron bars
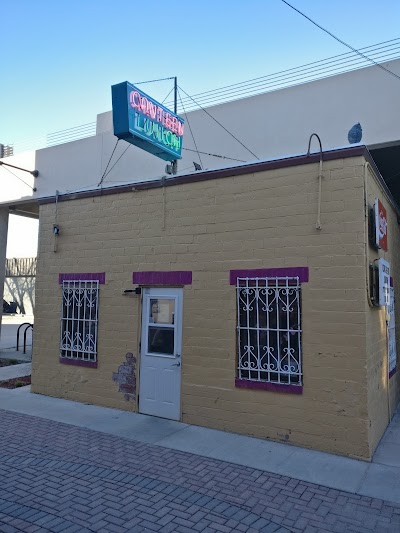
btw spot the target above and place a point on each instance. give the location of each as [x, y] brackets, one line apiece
[269, 330]
[79, 319]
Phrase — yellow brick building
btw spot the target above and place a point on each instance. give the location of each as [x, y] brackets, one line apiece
[235, 311]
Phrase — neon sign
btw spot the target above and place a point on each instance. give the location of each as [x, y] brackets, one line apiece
[142, 121]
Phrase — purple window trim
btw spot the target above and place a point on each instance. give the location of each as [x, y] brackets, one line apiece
[88, 276]
[265, 385]
[291, 272]
[393, 372]
[182, 277]
[78, 362]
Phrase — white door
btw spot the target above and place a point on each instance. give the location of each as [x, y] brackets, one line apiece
[160, 360]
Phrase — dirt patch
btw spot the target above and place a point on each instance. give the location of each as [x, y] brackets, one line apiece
[9, 362]
[15, 382]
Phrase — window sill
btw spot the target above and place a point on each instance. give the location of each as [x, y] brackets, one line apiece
[78, 362]
[263, 385]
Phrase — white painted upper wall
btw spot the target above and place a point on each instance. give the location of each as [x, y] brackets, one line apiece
[271, 125]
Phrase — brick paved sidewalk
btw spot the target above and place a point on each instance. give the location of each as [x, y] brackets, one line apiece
[61, 478]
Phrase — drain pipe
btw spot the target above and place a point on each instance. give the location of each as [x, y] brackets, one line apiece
[318, 224]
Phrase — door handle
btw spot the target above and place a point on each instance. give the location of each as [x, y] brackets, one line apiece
[176, 364]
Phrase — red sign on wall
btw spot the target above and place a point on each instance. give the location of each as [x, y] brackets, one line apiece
[381, 226]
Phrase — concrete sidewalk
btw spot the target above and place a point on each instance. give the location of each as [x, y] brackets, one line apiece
[9, 327]
[379, 479]
[15, 371]
[8, 339]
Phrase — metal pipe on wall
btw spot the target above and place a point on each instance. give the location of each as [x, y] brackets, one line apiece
[318, 224]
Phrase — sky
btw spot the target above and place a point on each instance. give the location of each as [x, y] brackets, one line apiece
[22, 237]
[60, 58]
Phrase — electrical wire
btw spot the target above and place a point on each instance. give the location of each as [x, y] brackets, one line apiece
[72, 191]
[266, 88]
[340, 41]
[152, 81]
[283, 82]
[215, 155]
[298, 74]
[190, 128]
[219, 123]
[104, 173]
[56, 230]
[186, 168]
[168, 95]
[126, 149]
[18, 178]
[107, 171]
[376, 46]
[345, 62]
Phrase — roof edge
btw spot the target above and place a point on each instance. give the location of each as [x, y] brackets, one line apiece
[226, 172]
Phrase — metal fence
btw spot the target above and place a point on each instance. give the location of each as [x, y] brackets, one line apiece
[19, 267]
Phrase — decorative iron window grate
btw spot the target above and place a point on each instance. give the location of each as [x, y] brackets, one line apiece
[79, 318]
[269, 329]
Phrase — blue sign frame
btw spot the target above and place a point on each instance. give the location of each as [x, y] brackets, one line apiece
[145, 123]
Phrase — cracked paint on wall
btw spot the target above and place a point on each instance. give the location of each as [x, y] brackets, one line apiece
[126, 377]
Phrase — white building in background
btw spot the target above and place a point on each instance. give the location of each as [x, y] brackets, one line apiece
[266, 126]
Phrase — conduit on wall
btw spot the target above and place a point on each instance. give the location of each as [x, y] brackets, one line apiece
[56, 228]
[318, 224]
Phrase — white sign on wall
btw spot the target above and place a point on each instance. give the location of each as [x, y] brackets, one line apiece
[384, 282]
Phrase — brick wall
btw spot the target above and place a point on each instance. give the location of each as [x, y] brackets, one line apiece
[381, 405]
[260, 220]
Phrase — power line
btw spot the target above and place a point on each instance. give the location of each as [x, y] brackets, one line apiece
[376, 46]
[215, 155]
[190, 128]
[300, 68]
[342, 42]
[219, 123]
[104, 173]
[315, 70]
[284, 81]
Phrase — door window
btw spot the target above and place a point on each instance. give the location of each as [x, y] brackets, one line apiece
[161, 326]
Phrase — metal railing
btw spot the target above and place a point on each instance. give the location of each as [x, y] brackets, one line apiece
[28, 326]
[53, 139]
[18, 267]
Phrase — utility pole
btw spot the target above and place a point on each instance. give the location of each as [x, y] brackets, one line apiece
[175, 163]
